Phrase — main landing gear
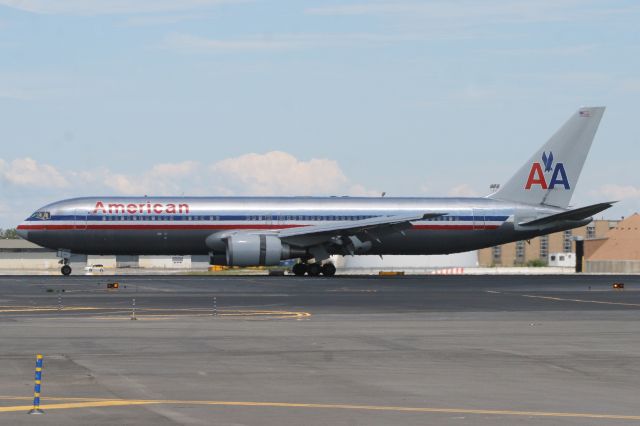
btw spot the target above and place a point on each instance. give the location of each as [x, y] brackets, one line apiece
[314, 269]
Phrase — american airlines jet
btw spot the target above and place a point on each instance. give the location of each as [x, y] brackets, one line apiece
[248, 231]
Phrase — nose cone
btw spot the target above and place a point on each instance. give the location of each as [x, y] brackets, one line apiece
[22, 233]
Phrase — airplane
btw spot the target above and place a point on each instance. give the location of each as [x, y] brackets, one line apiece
[251, 231]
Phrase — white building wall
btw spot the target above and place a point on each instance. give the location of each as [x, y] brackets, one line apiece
[107, 261]
[165, 262]
[415, 264]
[27, 263]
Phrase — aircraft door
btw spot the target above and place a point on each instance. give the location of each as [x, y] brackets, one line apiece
[478, 219]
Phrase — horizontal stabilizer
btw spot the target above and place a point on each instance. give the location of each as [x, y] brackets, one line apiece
[570, 215]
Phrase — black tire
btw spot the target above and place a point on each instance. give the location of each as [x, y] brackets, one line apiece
[66, 270]
[328, 269]
[314, 269]
[299, 269]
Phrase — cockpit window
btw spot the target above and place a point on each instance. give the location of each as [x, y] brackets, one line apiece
[41, 215]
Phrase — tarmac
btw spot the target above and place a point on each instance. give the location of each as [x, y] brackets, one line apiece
[413, 350]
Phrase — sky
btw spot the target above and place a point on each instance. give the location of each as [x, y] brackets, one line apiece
[256, 97]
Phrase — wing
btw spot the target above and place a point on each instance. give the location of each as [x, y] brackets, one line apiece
[312, 235]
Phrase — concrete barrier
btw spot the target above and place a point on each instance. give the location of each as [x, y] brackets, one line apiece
[612, 266]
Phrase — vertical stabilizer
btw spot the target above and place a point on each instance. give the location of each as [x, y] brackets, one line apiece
[551, 174]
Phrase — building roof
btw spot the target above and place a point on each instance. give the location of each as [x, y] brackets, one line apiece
[622, 242]
[17, 243]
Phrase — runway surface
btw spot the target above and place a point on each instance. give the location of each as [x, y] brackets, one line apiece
[478, 350]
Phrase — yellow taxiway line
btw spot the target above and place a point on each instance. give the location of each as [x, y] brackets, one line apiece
[5, 309]
[94, 403]
[167, 313]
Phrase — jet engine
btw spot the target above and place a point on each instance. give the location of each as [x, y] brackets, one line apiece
[252, 250]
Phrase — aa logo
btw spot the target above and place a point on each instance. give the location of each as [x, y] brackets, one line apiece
[538, 177]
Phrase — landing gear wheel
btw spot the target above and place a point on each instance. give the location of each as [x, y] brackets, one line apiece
[328, 269]
[66, 270]
[314, 269]
[299, 269]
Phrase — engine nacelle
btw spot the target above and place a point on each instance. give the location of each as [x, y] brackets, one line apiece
[258, 250]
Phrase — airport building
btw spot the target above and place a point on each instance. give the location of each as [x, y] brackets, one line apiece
[543, 250]
[20, 255]
[616, 252]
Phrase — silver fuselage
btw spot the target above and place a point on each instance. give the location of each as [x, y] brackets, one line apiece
[180, 225]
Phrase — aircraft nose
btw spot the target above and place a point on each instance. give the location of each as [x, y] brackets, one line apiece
[22, 233]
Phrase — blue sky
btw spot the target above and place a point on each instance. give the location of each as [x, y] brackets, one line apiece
[308, 97]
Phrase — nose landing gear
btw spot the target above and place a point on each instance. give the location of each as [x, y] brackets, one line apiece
[66, 269]
[64, 261]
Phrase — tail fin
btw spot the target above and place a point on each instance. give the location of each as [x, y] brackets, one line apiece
[551, 174]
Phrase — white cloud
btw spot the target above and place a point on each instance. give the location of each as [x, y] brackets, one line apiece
[617, 192]
[28, 172]
[463, 190]
[173, 170]
[272, 173]
[100, 7]
[161, 179]
[280, 173]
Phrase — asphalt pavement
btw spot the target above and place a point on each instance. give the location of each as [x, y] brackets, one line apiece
[414, 350]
